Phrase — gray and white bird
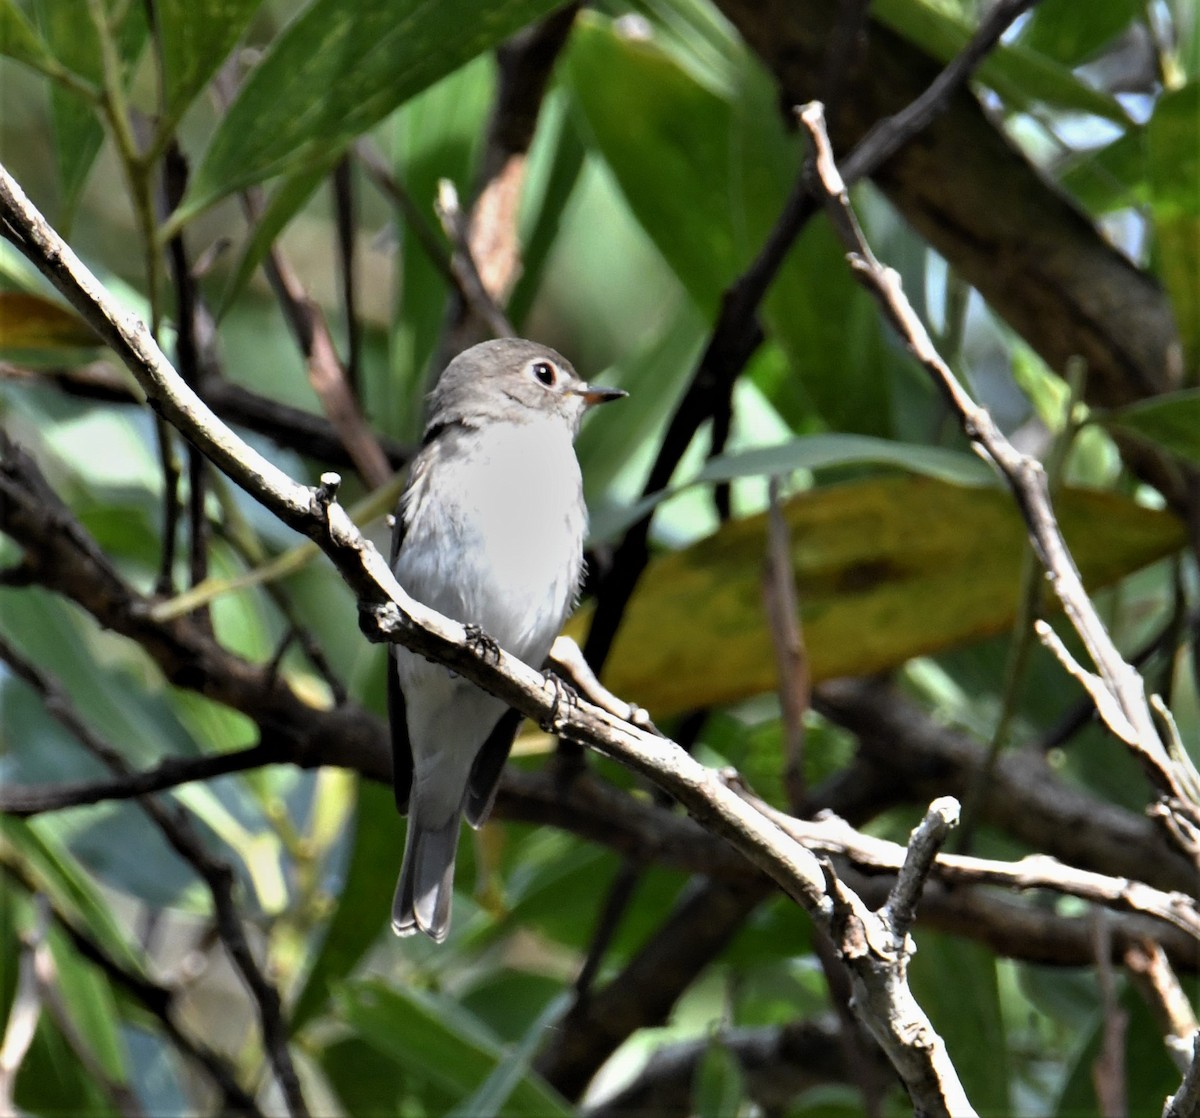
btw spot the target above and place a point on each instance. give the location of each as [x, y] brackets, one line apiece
[490, 532]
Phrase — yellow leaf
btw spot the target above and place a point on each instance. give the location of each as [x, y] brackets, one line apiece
[31, 322]
[886, 569]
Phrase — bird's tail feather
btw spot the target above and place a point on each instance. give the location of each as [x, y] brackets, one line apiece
[426, 885]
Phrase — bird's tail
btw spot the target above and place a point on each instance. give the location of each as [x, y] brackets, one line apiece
[426, 885]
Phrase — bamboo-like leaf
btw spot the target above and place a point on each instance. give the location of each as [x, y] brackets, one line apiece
[336, 70]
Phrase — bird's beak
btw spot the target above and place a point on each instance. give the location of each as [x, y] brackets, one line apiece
[595, 394]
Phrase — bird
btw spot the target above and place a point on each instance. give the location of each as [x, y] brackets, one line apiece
[489, 531]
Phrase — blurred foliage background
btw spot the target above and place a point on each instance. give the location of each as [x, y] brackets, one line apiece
[658, 166]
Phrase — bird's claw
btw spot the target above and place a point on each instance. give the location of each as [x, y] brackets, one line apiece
[481, 644]
[564, 696]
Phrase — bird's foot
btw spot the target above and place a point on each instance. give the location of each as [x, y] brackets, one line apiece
[565, 696]
[481, 644]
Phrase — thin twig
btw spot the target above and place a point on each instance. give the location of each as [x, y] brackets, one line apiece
[462, 263]
[1108, 1069]
[782, 606]
[1151, 973]
[23, 1015]
[738, 332]
[26, 800]
[1185, 1103]
[344, 215]
[387, 612]
[1118, 689]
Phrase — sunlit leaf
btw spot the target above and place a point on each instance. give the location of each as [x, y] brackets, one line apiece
[333, 72]
[32, 322]
[1021, 76]
[19, 39]
[197, 35]
[886, 569]
[1070, 32]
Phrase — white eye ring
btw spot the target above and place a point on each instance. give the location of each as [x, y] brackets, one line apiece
[545, 373]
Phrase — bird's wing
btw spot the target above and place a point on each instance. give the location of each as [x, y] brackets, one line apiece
[489, 764]
[402, 761]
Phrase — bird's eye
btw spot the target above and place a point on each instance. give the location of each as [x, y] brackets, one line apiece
[545, 372]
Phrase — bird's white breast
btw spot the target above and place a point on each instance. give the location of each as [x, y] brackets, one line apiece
[495, 530]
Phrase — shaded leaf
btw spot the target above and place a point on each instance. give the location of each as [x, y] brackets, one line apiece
[667, 136]
[1173, 161]
[362, 900]
[90, 1002]
[956, 983]
[437, 136]
[72, 38]
[432, 1036]
[333, 72]
[495, 1091]
[33, 322]
[54, 872]
[887, 569]
[1171, 420]
[287, 199]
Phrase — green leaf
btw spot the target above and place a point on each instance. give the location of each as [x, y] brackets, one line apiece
[1020, 75]
[1070, 32]
[1112, 177]
[89, 1000]
[809, 452]
[432, 1037]
[74, 42]
[437, 135]
[20, 40]
[555, 165]
[55, 873]
[814, 452]
[197, 35]
[1171, 420]
[362, 900]
[335, 71]
[718, 1088]
[1174, 173]
[955, 982]
[886, 569]
[495, 1091]
[1149, 1074]
[287, 199]
[666, 137]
